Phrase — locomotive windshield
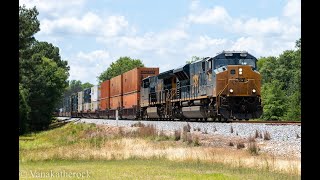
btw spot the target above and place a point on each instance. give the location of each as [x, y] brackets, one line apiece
[250, 62]
[224, 62]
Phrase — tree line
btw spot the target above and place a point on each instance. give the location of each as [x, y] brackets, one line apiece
[281, 85]
[42, 75]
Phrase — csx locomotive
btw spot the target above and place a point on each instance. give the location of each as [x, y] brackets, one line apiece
[224, 87]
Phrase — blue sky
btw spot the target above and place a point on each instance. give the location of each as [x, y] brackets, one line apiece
[91, 34]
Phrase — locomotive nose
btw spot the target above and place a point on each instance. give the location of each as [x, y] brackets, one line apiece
[242, 81]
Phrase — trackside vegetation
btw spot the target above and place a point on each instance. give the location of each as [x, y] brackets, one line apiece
[139, 152]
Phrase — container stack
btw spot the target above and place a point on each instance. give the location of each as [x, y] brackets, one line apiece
[74, 102]
[131, 81]
[116, 92]
[80, 101]
[95, 98]
[67, 105]
[105, 95]
[86, 99]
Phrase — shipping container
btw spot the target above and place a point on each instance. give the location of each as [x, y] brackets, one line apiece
[80, 108]
[116, 102]
[67, 104]
[131, 100]
[94, 106]
[86, 107]
[74, 102]
[132, 79]
[87, 95]
[116, 86]
[105, 89]
[95, 93]
[80, 97]
[105, 103]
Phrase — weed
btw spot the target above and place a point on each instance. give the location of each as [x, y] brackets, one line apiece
[177, 135]
[257, 134]
[230, 143]
[138, 124]
[231, 129]
[214, 129]
[240, 145]
[251, 139]
[196, 141]
[266, 135]
[186, 128]
[253, 148]
[205, 131]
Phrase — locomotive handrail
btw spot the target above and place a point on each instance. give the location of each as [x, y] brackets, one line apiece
[218, 96]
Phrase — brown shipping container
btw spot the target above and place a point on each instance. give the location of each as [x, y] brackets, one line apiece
[104, 104]
[116, 86]
[130, 100]
[132, 79]
[115, 102]
[105, 89]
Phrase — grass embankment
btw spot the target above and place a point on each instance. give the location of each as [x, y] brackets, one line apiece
[141, 152]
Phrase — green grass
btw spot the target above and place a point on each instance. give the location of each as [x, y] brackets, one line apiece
[145, 169]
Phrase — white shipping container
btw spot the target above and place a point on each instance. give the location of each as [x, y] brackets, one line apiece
[95, 93]
[95, 105]
[80, 98]
[80, 107]
[86, 107]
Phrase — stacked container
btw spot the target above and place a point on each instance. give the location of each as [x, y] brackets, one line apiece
[74, 102]
[131, 81]
[67, 106]
[95, 97]
[116, 92]
[80, 101]
[86, 100]
[105, 95]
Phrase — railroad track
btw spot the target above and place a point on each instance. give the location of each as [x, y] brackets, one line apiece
[243, 121]
[270, 122]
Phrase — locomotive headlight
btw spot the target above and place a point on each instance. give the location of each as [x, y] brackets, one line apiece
[231, 90]
[253, 90]
[240, 70]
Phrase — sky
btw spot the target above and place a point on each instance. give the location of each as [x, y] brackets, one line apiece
[91, 34]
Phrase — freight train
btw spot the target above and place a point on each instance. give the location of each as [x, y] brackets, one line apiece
[220, 88]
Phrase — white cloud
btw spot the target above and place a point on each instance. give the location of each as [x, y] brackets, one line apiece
[55, 8]
[292, 9]
[86, 66]
[160, 43]
[258, 27]
[194, 5]
[114, 25]
[216, 15]
[263, 36]
[204, 43]
[90, 24]
[250, 44]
